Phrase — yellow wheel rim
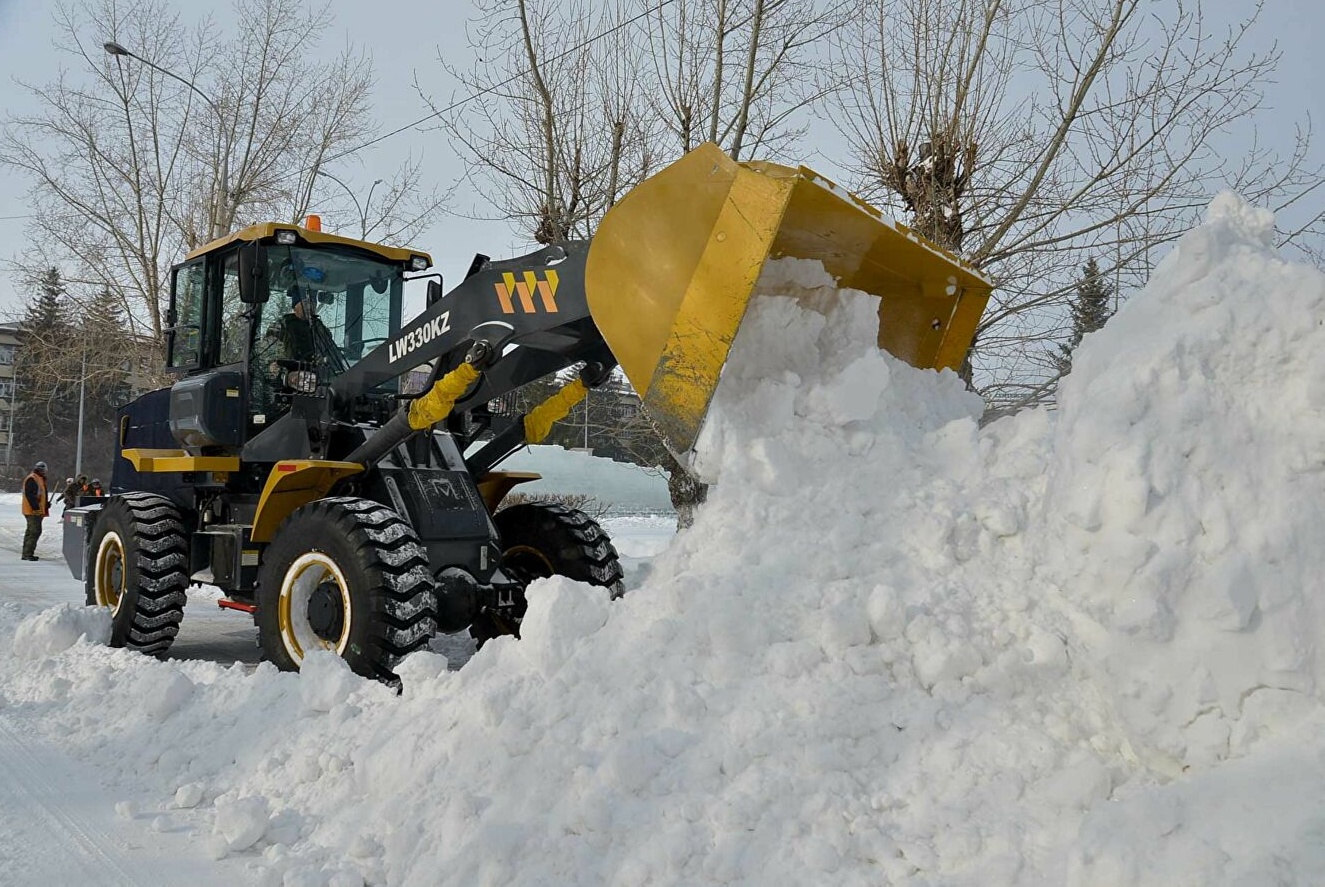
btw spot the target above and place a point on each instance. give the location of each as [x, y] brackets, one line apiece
[109, 573]
[529, 559]
[309, 573]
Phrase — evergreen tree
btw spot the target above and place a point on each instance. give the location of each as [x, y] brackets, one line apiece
[108, 355]
[45, 413]
[46, 311]
[104, 312]
[71, 356]
[1090, 309]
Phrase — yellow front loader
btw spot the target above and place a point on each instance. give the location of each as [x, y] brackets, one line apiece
[288, 467]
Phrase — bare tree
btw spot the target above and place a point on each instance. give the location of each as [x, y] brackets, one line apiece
[396, 212]
[1030, 134]
[551, 128]
[558, 125]
[135, 159]
[739, 72]
[557, 120]
[72, 370]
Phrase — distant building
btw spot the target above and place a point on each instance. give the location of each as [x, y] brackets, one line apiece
[142, 372]
[9, 342]
[627, 405]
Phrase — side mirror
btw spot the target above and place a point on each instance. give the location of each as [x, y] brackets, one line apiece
[253, 288]
[434, 292]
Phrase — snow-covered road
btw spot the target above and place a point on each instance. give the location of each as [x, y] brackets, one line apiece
[61, 822]
[59, 825]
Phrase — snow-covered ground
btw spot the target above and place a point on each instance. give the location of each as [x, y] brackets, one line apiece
[1078, 647]
[64, 821]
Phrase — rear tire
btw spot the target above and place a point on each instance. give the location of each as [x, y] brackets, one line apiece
[138, 561]
[543, 539]
[346, 575]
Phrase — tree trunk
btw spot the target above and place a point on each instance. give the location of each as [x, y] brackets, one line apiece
[687, 491]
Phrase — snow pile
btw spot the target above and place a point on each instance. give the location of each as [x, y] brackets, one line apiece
[893, 647]
[59, 628]
[1186, 495]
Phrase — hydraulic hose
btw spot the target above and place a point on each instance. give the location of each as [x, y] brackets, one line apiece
[423, 412]
[539, 421]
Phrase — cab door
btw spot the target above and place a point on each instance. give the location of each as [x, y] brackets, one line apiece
[208, 344]
[188, 293]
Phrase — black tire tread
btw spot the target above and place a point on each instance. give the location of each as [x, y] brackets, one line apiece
[405, 603]
[573, 541]
[401, 599]
[588, 545]
[158, 545]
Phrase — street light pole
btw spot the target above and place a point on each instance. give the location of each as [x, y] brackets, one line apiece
[9, 437]
[221, 198]
[363, 208]
[367, 205]
[82, 387]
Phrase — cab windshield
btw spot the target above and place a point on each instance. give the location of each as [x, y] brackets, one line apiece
[328, 307]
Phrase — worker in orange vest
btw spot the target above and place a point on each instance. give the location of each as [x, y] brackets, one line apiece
[36, 507]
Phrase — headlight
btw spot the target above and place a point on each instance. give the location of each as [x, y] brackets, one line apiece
[285, 238]
[418, 263]
[303, 381]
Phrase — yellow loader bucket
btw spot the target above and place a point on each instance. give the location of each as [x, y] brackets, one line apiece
[672, 267]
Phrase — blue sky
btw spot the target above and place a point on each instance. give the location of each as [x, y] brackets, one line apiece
[390, 29]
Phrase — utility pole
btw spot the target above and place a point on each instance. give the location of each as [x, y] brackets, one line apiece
[82, 387]
[362, 208]
[9, 431]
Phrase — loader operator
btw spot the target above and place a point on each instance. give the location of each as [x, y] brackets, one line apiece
[295, 336]
[291, 342]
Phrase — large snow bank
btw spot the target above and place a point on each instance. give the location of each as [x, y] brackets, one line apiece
[893, 648]
[1186, 492]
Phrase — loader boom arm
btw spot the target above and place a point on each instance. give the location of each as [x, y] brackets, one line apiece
[666, 281]
[540, 296]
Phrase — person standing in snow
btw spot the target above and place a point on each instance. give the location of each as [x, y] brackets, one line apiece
[36, 507]
[69, 493]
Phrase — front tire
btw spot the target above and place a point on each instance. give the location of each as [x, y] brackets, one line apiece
[544, 539]
[137, 567]
[346, 575]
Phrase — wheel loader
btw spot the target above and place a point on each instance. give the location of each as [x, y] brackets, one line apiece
[345, 513]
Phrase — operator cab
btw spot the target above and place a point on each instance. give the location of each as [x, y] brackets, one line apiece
[269, 314]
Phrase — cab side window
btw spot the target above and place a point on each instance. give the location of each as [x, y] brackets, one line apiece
[234, 331]
[186, 333]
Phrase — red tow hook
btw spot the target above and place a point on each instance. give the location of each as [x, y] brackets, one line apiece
[226, 604]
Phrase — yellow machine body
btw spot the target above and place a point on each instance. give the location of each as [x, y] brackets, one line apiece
[293, 483]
